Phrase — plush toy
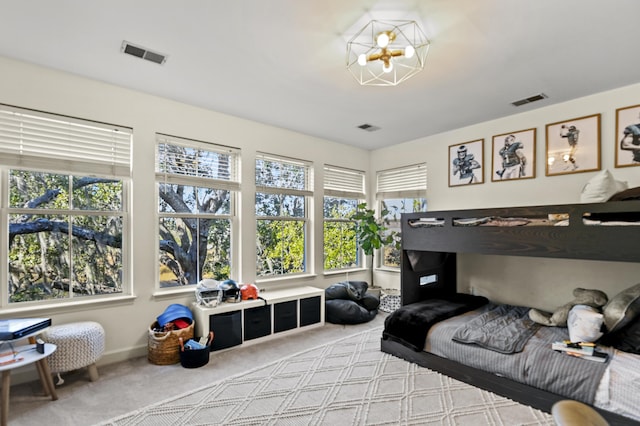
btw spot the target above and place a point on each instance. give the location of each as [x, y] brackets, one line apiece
[593, 298]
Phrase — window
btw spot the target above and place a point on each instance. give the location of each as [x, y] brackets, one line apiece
[66, 210]
[401, 190]
[282, 189]
[343, 190]
[197, 183]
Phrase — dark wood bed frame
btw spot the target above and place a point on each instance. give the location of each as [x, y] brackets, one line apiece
[429, 270]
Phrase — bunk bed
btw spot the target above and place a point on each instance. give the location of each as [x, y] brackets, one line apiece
[431, 242]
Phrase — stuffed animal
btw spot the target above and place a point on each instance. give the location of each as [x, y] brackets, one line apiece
[593, 298]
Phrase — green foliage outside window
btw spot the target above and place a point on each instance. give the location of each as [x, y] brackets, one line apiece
[280, 247]
[340, 246]
[392, 209]
[281, 216]
[195, 220]
[65, 236]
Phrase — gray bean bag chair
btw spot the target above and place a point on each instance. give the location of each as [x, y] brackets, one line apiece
[348, 302]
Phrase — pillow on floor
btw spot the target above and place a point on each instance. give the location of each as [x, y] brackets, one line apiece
[340, 311]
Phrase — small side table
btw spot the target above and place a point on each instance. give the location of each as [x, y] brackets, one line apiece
[27, 354]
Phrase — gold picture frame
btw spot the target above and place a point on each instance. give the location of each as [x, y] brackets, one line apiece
[466, 163]
[573, 146]
[513, 156]
[627, 139]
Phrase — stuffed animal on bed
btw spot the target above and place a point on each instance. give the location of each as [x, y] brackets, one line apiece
[593, 298]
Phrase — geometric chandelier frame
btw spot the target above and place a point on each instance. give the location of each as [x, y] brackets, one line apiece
[386, 53]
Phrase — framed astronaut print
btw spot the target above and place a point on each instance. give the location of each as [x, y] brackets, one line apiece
[513, 156]
[573, 146]
[466, 163]
[627, 140]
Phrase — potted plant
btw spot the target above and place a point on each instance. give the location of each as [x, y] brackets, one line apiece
[373, 233]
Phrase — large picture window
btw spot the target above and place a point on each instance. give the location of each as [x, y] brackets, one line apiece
[197, 183]
[401, 190]
[343, 190]
[282, 189]
[66, 210]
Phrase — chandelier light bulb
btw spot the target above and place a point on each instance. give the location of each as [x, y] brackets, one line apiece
[409, 51]
[382, 40]
[372, 51]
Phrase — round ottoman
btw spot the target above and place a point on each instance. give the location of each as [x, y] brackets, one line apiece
[79, 344]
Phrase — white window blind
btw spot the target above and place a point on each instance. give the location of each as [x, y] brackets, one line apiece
[33, 139]
[409, 181]
[180, 160]
[275, 174]
[340, 182]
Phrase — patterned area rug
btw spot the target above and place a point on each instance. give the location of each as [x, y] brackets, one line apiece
[348, 382]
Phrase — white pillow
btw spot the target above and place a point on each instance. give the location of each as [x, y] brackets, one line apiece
[584, 324]
[601, 187]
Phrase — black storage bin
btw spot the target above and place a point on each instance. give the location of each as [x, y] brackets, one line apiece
[227, 329]
[309, 311]
[285, 316]
[194, 358]
[257, 322]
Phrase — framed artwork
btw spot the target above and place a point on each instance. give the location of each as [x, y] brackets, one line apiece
[514, 156]
[573, 146]
[465, 163]
[627, 140]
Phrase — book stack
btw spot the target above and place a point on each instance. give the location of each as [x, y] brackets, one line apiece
[582, 350]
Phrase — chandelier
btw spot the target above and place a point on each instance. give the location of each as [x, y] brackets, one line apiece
[386, 53]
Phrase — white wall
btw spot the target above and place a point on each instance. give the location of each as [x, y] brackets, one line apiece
[127, 321]
[543, 283]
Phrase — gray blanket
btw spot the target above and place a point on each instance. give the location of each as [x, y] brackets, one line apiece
[537, 365]
[504, 328]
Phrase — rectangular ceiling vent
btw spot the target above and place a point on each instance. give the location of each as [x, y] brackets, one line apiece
[533, 98]
[143, 53]
[368, 127]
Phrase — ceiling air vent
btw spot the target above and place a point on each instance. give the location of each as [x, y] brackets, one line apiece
[368, 127]
[533, 98]
[143, 53]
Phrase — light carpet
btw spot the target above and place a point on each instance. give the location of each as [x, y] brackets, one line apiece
[347, 382]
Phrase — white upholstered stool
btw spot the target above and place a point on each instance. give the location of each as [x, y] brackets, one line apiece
[80, 344]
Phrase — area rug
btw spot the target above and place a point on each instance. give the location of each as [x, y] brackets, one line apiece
[347, 382]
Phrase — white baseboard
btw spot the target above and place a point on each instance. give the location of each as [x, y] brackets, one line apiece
[29, 373]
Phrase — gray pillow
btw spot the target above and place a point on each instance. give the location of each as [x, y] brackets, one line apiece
[622, 308]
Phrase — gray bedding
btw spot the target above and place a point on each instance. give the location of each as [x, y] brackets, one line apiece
[537, 365]
[504, 328]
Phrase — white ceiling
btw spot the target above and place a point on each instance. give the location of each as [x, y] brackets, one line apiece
[283, 62]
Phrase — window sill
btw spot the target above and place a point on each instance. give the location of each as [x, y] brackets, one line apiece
[274, 281]
[388, 269]
[75, 306]
[344, 271]
[174, 291]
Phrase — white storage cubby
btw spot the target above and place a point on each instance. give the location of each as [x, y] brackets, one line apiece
[278, 311]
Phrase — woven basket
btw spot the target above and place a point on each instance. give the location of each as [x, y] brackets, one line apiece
[164, 347]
